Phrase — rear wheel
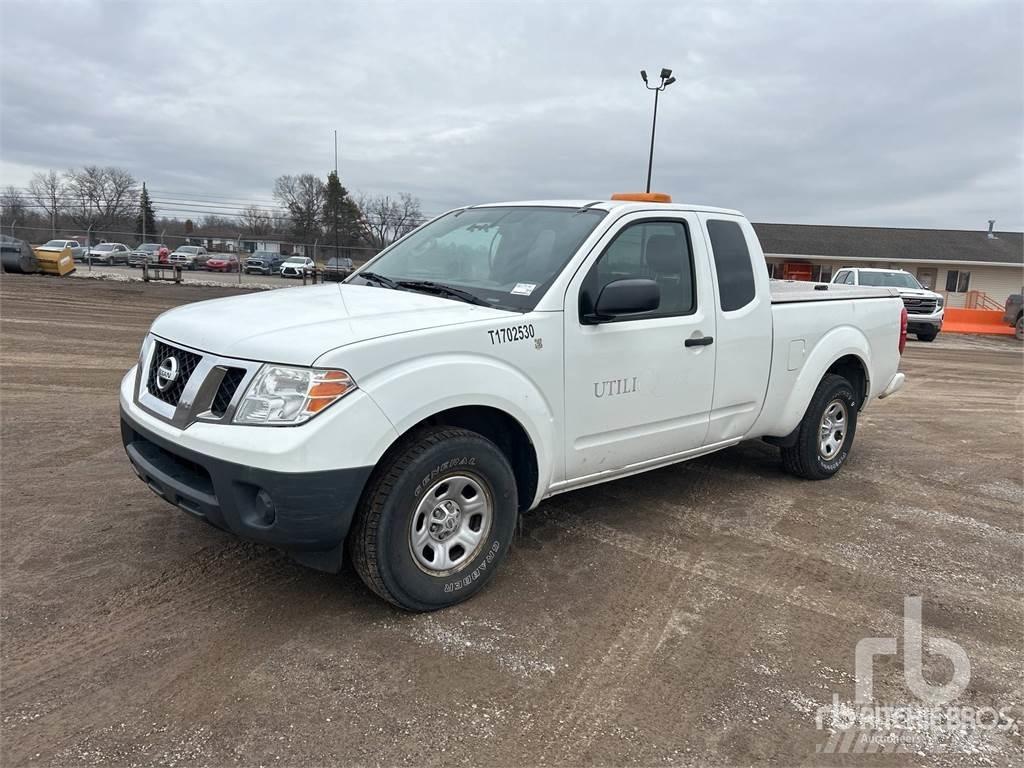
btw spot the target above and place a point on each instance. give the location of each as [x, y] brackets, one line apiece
[436, 520]
[825, 435]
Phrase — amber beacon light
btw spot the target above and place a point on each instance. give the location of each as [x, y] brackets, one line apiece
[643, 197]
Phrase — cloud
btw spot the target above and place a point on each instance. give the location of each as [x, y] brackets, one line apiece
[903, 114]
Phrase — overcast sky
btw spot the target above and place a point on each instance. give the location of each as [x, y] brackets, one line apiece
[895, 113]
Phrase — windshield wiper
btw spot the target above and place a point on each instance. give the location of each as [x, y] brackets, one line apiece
[440, 289]
[372, 277]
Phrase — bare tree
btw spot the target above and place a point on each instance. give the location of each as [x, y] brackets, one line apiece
[388, 219]
[256, 221]
[47, 192]
[98, 197]
[13, 205]
[304, 197]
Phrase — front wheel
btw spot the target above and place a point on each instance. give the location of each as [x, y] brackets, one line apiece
[1019, 328]
[436, 519]
[825, 435]
[929, 335]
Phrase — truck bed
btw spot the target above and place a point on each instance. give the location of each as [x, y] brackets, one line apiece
[793, 291]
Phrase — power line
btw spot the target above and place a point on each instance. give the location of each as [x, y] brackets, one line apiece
[176, 211]
[197, 203]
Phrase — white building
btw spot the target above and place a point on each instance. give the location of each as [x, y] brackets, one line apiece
[976, 269]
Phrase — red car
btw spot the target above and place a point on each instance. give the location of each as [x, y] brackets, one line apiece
[222, 262]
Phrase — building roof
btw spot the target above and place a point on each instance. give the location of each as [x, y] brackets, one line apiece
[891, 244]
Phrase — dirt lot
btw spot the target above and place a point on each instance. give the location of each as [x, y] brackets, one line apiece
[698, 614]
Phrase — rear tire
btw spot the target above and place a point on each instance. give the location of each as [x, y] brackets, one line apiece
[825, 435]
[393, 543]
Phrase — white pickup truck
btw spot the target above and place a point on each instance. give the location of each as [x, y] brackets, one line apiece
[494, 357]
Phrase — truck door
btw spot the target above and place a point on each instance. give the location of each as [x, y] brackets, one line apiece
[743, 339]
[639, 387]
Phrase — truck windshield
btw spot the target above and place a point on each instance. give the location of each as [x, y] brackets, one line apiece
[889, 279]
[506, 256]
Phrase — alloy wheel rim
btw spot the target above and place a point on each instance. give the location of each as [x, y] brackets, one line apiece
[832, 429]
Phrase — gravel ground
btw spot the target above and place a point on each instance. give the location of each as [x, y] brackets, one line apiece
[697, 614]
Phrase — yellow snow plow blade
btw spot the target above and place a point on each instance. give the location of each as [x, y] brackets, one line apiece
[53, 262]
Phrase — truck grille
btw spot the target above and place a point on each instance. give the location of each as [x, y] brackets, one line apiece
[228, 386]
[187, 362]
[919, 305]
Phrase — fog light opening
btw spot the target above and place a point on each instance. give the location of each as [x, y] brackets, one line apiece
[265, 508]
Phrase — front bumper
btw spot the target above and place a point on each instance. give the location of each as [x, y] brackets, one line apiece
[311, 511]
[917, 323]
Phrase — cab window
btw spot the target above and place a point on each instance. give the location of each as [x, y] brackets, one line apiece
[732, 264]
[653, 250]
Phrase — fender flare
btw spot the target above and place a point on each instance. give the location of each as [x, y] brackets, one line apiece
[418, 388]
[840, 342]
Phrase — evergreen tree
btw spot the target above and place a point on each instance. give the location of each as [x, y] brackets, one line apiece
[342, 217]
[145, 222]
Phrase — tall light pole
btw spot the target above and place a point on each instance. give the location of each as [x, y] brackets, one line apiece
[666, 81]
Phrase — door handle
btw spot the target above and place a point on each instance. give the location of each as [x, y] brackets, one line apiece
[703, 341]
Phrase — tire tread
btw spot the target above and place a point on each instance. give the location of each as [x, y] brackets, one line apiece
[794, 458]
[363, 536]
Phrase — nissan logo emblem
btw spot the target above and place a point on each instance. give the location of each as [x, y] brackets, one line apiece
[167, 373]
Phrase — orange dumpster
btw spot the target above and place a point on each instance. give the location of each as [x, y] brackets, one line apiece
[975, 321]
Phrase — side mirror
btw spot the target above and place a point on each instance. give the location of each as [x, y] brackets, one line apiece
[625, 297]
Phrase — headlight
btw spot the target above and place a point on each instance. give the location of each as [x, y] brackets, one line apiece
[282, 395]
[940, 303]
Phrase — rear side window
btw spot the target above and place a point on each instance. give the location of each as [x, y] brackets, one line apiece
[732, 264]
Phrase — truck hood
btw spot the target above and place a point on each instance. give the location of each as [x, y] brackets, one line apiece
[923, 292]
[297, 325]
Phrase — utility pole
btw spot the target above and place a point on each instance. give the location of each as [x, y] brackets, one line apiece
[337, 199]
[666, 81]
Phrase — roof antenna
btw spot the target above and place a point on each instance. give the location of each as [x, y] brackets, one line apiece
[991, 234]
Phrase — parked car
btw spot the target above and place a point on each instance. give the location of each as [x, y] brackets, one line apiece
[222, 262]
[297, 266]
[78, 250]
[337, 268]
[189, 256]
[451, 384]
[145, 253]
[1014, 314]
[109, 254]
[924, 307]
[264, 263]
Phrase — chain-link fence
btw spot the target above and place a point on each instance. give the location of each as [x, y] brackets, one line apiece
[226, 243]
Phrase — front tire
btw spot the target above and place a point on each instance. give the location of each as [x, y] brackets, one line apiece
[825, 435]
[436, 519]
[928, 335]
[1019, 328]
